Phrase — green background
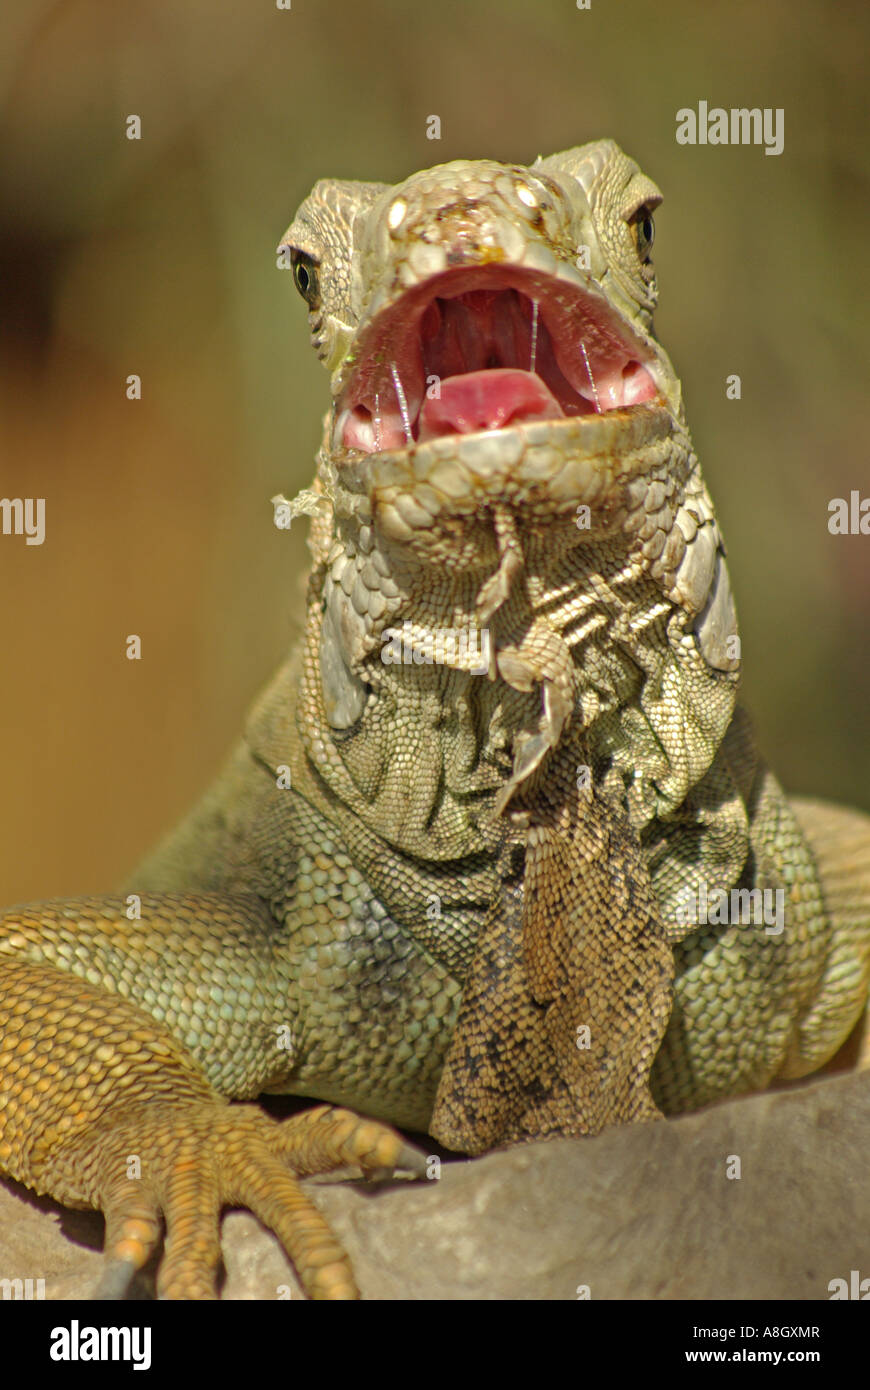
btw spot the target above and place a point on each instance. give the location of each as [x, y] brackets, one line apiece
[157, 257]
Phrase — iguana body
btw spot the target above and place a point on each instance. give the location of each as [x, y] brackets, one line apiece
[447, 878]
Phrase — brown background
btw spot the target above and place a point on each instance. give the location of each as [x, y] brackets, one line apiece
[157, 257]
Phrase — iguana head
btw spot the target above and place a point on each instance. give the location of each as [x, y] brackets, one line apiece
[480, 297]
[506, 450]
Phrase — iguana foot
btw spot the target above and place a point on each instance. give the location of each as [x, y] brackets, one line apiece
[197, 1157]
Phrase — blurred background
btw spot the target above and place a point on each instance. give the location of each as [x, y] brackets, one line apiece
[156, 257]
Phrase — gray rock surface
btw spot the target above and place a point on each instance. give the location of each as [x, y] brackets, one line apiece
[644, 1212]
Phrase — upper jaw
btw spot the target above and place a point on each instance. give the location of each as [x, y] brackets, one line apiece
[552, 346]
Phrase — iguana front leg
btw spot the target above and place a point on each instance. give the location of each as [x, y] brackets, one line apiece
[122, 1043]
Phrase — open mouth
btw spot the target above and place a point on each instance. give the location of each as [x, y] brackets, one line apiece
[485, 348]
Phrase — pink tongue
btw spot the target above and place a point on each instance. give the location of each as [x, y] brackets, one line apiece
[486, 401]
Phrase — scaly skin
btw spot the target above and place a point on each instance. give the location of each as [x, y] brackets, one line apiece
[448, 892]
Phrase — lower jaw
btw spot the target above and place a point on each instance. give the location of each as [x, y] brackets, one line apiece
[570, 459]
[422, 496]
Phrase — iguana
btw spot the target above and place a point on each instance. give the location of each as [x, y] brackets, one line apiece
[454, 876]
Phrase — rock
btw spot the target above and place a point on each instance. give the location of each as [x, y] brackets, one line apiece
[645, 1212]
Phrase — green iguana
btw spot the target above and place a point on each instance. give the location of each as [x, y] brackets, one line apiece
[497, 857]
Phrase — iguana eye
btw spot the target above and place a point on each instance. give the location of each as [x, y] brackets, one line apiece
[305, 277]
[643, 231]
